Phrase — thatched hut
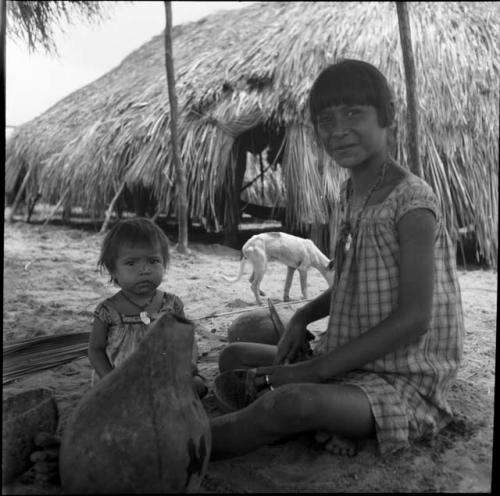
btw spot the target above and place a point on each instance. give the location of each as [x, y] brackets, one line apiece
[242, 79]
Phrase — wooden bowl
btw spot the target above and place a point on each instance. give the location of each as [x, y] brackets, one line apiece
[230, 389]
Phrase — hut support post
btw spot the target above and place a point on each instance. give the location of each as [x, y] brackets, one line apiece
[181, 179]
[157, 213]
[109, 211]
[54, 210]
[19, 195]
[411, 87]
[31, 206]
[66, 215]
[232, 209]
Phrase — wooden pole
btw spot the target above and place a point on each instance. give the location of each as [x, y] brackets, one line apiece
[59, 203]
[3, 28]
[156, 214]
[111, 206]
[181, 179]
[20, 192]
[411, 87]
[232, 203]
[31, 206]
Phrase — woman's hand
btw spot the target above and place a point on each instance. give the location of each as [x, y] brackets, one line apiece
[291, 345]
[267, 378]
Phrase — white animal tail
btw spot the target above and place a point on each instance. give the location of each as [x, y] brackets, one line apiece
[237, 278]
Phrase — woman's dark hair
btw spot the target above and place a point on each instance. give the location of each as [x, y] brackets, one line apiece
[351, 82]
[138, 231]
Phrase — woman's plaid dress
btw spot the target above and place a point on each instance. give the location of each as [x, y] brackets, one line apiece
[406, 388]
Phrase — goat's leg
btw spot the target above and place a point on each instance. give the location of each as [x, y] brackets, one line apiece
[259, 262]
[288, 283]
[257, 279]
[251, 279]
[303, 283]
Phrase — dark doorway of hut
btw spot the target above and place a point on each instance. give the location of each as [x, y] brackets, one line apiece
[254, 200]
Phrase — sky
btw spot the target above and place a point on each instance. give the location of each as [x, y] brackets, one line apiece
[86, 51]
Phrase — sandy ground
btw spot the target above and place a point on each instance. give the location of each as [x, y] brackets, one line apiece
[51, 286]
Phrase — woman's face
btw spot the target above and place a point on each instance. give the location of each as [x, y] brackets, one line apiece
[351, 134]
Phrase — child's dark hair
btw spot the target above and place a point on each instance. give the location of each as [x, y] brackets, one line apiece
[351, 82]
[138, 231]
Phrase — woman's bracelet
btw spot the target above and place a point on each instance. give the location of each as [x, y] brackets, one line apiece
[268, 383]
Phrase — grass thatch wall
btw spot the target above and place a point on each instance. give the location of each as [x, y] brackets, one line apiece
[243, 68]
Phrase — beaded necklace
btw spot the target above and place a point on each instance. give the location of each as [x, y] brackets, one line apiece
[144, 316]
[348, 234]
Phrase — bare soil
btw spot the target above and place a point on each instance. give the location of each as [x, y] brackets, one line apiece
[51, 286]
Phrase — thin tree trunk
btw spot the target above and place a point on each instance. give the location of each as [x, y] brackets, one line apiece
[20, 192]
[111, 206]
[181, 180]
[411, 87]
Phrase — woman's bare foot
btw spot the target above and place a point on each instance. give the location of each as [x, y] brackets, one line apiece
[338, 445]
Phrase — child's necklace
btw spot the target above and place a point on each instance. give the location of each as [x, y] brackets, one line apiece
[145, 317]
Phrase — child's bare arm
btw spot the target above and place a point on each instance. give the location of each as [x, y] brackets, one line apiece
[416, 231]
[97, 347]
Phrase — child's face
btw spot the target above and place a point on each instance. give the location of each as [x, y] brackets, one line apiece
[138, 269]
[351, 134]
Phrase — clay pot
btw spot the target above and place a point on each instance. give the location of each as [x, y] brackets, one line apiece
[141, 429]
[24, 415]
[255, 326]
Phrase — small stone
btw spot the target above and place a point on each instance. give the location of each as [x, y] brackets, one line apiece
[46, 440]
[46, 467]
[48, 454]
[51, 478]
[28, 477]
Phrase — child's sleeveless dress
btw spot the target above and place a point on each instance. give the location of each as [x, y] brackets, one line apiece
[125, 332]
[406, 388]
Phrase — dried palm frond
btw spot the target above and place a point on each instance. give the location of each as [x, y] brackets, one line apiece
[32, 355]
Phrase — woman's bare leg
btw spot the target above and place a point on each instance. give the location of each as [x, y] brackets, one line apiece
[246, 356]
[293, 409]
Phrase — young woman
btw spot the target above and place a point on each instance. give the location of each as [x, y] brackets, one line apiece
[394, 338]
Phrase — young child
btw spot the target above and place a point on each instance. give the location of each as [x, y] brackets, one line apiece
[394, 339]
[135, 253]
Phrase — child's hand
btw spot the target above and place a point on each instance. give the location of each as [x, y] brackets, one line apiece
[199, 385]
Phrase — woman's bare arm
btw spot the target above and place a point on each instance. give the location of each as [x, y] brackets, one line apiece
[416, 231]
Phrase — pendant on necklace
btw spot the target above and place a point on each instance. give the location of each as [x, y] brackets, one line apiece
[145, 318]
[348, 243]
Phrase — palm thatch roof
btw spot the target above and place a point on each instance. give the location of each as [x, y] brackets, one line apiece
[242, 69]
